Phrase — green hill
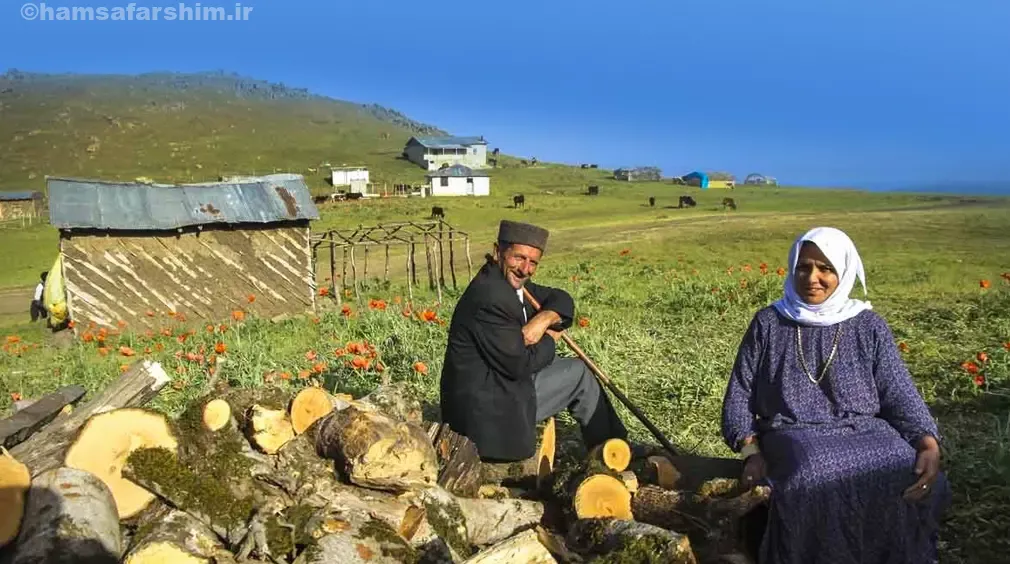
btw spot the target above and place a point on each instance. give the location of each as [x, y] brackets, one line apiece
[189, 127]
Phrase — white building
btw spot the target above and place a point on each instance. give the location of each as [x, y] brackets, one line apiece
[356, 177]
[433, 152]
[458, 180]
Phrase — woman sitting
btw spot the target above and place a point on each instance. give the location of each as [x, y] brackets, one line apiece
[825, 412]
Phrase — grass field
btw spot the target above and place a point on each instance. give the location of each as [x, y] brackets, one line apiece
[666, 294]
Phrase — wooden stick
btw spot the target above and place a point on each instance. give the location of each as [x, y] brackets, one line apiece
[427, 256]
[343, 275]
[441, 257]
[469, 263]
[385, 274]
[333, 266]
[413, 262]
[452, 263]
[354, 274]
[364, 274]
[17, 428]
[410, 288]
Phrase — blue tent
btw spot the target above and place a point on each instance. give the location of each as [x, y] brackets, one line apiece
[699, 179]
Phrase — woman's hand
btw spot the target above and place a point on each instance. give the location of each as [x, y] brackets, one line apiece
[753, 470]
[927, 466]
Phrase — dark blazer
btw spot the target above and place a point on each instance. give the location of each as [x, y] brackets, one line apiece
[486, 390]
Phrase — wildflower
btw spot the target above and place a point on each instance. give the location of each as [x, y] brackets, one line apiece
[220, 348]
[126, 351]
[979, 380]
[971, 367]
[251, 298]
[420, 367]
[903, 346]
[982, 357]
[310, 356]
[583, 321]
[238, 315]
[983, 284]
[324, 291]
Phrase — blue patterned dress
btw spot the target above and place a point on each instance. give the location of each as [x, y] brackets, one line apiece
[839, 453]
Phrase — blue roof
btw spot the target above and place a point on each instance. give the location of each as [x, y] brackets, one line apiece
[19, 196]
[456, 170]
[448, 142]
[97, 204]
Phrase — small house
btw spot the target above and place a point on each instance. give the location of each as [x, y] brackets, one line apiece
[458, 180]
[760, 179]
[431, 152]
[354, 178]
[21, 205]
[144, 254]
[642, 173]
[706, 181]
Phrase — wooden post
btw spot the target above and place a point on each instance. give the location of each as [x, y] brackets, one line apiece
[441, 257]
[354, 274]
[452, 259]
[440, 278]
[410, 288]
[427, 256]
[469, 263]
[385, 273]
[343, 275]
[364, 274]
[412, 262]
[333, 266]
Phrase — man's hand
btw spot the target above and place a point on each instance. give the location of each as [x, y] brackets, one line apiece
[534, 330]
[927, 466]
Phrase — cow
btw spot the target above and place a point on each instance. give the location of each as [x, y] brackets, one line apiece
[652, 202]
[686, 201]
[594, 190]
[519, 201]
[728, 203]
[437, 211]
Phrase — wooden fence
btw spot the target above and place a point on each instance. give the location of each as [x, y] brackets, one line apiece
[440, 239]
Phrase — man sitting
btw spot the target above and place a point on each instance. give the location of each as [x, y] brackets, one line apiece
[501, 376]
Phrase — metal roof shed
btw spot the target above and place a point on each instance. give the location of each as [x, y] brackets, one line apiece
[150, 254]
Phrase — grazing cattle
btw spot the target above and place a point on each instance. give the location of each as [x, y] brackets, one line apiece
[594, 190]
[524, 162]
[585, 165]
[687, 201]
[437, 211]
[519, 201]
[728, 202]
[652, 202]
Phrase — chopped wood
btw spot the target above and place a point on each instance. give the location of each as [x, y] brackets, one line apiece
[46, 449]
[170, 536]
[602, 495]
[14, 483]
[377, 451]
[310, 405]
[216, 414]
[269, 428]
[489, 521]
[29, 419]
[545, 453]
[352, 537]
[629, 541]
[630, 480]
[104, 444]
[614, 454]
[524, 547]
[393, 400]
[69, 512]
[459, 461]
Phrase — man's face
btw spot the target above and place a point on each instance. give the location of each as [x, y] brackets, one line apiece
[519, 263]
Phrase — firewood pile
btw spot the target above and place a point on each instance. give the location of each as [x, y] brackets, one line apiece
[270, 475]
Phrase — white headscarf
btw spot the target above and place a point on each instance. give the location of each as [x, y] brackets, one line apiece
[841, 252]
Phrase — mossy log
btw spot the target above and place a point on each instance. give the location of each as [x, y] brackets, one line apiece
[46, 449]
[618, 541]
[393, 400]
[169, 535]
[105, 442]
[524, 547]
[70, 515]
[28, 420]
[15, 480]
[376, 451]
[352, 537]
[489, 521]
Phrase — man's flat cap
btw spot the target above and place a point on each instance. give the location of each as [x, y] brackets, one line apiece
[523, 234]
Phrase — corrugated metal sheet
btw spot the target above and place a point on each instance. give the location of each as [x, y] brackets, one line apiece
[19, 196]
[456, 170]
[450, 142]
[80, 203]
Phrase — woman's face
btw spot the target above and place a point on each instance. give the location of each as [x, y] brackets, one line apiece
[815, 278]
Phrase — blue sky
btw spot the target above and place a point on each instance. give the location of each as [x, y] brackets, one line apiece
[843, 93]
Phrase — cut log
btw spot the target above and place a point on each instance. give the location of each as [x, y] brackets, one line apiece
[310, 405]
[354, 538]
[216, 415]
[613, 454]
[46, 449]
[489, 521]
[105, 442]
[28, 420]
[172, 536]
[602, 495]
[629, 541]
[524, 547]
[14, 483]
[393, 400]
[376, 451]
[545, 454]
[630, 480]
[69, 512]
[459, 461]
[269, 429]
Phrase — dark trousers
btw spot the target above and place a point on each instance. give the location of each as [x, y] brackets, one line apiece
[38, 310]
[567, 383]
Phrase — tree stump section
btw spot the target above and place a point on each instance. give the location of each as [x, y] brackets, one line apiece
[69, 512]
[524, 547]
[170, 535]
[46, 449]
